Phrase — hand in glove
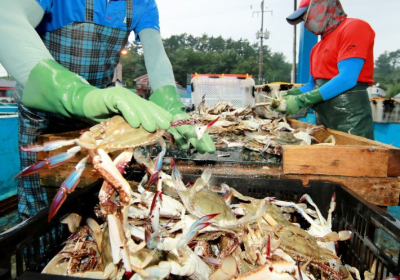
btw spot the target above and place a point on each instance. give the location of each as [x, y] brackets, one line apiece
[293, 91]
[296, 102]
[53, 88]
[167, 98]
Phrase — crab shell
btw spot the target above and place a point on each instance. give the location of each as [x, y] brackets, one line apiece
[117, 134]
[302, 245]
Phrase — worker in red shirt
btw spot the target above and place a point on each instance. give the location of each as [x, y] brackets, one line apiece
[342, 66]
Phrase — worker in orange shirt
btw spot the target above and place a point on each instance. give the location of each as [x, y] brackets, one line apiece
[341, 68]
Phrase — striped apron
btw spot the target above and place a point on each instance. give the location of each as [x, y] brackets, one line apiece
[85, 48]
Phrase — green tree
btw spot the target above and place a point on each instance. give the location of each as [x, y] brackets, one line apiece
[213, 55]
[387, 72]
[132, 64]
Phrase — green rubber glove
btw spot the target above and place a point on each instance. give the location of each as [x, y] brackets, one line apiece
[296, 102]
[53, 88]
[293, 91]
[167, 98]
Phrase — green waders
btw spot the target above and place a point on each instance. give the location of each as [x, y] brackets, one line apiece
[349, 112]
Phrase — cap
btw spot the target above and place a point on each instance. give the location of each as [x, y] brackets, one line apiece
[295, 17]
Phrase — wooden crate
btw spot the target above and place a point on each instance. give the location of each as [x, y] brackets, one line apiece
[352, 156]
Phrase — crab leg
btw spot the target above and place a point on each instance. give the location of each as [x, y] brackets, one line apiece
[111, 174]
[50, 162]
[107, 190]
[200, 130]
[299, 209]
[158, 162]
[155, 212]
[67, 186]
[48, 146]
[118, 243]
[194, 229]
[180, 122]
[176, 176]
[309, 200]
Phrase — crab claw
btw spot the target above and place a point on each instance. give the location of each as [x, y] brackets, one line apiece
[67, 186]
[32, 169]
[158, 163]
[155, 212]
[195, 228]
[50, 162]
[200, 130]
[176, 176]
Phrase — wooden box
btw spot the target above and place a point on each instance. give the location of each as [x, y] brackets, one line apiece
[351, 156]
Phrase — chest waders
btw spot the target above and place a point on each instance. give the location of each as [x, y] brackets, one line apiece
[349, 112]
[85, 48]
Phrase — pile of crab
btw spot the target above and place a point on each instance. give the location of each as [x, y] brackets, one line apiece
[162, 228]
[245, 128]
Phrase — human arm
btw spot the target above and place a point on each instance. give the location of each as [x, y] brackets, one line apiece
[349, 70]
[304, 88]
[21, 48]
[50, 87]
[165, 95]
[308, 86]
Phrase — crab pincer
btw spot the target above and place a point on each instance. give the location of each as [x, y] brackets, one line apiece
[200, 130]
[67, 186]
[195, 228]
[50, 162]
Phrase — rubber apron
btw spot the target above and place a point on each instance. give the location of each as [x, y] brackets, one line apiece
[349, 112]
[99, 46]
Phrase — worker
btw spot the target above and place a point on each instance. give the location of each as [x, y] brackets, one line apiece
[341, 68]
[63, 54]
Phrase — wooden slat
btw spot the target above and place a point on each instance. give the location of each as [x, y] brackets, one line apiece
[334, 160]
[345, 139]
[54, 177]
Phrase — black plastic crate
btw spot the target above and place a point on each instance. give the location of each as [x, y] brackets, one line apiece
[29, 246]
[352, 213]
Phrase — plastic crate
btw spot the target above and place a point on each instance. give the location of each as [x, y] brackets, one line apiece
[235, 89]
[385, 110]
[29, 246]
[365, 220]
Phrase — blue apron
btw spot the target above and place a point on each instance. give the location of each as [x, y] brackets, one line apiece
[85, 48]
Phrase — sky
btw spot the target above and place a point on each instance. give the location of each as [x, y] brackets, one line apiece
[241, 19]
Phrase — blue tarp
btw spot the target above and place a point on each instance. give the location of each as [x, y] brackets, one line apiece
[9, 154]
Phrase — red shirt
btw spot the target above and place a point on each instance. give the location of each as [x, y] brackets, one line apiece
[353, 38]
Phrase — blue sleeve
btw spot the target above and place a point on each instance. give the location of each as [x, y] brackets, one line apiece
[148, 18]
[349, 70]
[308, 86]
[45, 4]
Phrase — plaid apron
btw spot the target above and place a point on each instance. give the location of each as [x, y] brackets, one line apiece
[85, 48]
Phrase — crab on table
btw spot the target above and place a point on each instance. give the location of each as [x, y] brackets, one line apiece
[115, 195]
[99, 140]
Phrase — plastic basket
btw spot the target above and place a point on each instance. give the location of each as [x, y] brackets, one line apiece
[385, 110]
[366, 221]
[238, 90]
[29, 246]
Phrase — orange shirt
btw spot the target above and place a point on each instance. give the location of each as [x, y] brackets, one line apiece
[353, 38]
